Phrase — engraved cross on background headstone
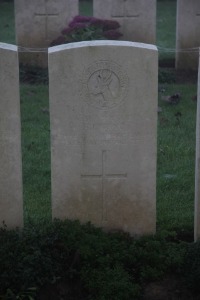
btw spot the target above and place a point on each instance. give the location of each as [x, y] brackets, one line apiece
[47, 15]
[104, 176]
[121, 10]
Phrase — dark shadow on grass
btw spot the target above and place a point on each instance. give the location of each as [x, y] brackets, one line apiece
[33, 75]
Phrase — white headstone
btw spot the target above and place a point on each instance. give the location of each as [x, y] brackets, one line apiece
[11, 202]
[38, 23]
[136, 17]
[103, 112]
[187, 34]
[197, 169]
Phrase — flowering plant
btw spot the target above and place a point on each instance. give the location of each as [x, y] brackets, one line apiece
[83, 28]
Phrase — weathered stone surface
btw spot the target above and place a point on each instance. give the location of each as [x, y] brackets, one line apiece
[187, 34]
[11, 203]
[136, 17]
[103, 111]
[197, 169]
[38, 22]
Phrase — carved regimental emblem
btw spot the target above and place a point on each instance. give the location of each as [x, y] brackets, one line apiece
[104, 84]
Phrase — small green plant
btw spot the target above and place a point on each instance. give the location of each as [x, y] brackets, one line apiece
[28, 294]
[68, 255]
[83, 28]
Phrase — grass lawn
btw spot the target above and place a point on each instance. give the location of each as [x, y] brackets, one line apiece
[166, 29]
[36, 152]
[176, 154]
[7, 23]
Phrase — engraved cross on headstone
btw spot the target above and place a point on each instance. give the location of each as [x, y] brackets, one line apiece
[123, 9]
[47, 15]
[104, 176]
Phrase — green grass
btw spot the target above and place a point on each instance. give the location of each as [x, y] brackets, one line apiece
[85, 8]
[176, 157]
[7, 23]
[166, 30]
[36, 152]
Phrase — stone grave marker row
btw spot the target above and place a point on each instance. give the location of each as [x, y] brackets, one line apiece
[39, 22]
[103, 111]
[103, 104]
[11, 203]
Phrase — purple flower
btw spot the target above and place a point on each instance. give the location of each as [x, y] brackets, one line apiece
[110, 24]
[67, 30]
[112, 34]
[97, 22]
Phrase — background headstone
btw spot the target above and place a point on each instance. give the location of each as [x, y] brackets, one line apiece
[103, 112]
[11, 200]
[187, 34]
[136, 17]
[197, 169]
[38, 22]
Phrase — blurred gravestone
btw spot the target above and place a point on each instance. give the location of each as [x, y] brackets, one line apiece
[38, 22]
[103, 111]
[11, 202]
[136, 17]
[187, 34]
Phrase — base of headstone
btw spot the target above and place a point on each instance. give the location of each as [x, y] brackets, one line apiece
[186, 61]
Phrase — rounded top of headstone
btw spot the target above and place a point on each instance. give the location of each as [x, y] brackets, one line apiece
[101, 43]
[8, 47]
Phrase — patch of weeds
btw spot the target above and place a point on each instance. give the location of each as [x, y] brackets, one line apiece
[65, 257]
[111, 283]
